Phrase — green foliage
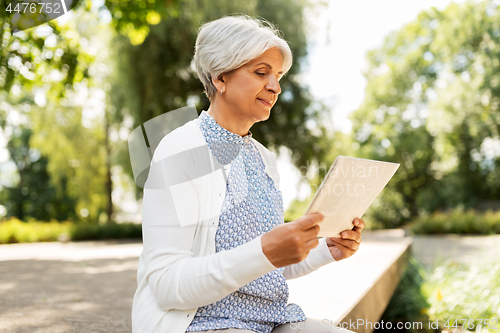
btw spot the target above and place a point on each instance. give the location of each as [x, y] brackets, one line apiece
[296, 121]
[432, 104]
[34, 196]
[457, 221]
[26, 59]
[459, 291]
[134, 18]
[77, 155]
[408, 304]
[296, 209]
[141, 61]
[39, 71]
[16, 231]
[446, 291]
[72, 129]
[88, 231]
[157, 77]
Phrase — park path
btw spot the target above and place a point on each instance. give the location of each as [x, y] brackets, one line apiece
[74, 287]
[89, 286]
[460, 249]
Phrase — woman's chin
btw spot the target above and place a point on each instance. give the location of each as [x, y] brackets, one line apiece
[263, 116]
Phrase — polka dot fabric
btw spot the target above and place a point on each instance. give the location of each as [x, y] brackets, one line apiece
[252, 206]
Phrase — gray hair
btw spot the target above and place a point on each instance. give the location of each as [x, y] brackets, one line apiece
[230, 42]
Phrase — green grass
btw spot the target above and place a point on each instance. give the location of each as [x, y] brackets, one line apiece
[459, 291]
[457, 221]
[409, 304]
[16, 231]
[447, 293]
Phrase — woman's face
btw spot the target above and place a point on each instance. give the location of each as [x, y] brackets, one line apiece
[253, 89]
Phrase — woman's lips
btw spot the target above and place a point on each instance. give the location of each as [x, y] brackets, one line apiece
[265, 102]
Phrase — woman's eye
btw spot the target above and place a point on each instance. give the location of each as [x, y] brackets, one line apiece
[261, 74]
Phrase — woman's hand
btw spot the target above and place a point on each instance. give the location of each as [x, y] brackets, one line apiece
[345, 246]
[290, 243]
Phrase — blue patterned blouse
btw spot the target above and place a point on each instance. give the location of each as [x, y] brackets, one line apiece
[252, 206]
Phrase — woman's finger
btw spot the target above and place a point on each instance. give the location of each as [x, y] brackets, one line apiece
[352, 235]
[359, 224]
[350, 244]
[346, 251]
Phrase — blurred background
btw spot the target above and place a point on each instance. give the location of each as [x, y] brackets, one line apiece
[413, 82]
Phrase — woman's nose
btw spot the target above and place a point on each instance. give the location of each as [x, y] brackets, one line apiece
[274, 85]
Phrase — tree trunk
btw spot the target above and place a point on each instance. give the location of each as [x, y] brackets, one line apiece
[109, 182]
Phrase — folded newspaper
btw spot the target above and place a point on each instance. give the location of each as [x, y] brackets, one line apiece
[347, 191]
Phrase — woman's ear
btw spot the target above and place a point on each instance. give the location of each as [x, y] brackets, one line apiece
[219, 83]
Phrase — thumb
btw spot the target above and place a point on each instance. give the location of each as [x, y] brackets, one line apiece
[310, 220]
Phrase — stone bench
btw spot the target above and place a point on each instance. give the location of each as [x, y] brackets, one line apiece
[358, 288]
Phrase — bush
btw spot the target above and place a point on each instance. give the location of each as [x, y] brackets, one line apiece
[106, 231]
[16, 231]
[408, 303]
[447, 293]
[464, 291]
[457, 221]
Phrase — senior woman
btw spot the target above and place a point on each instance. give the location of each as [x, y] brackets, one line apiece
[216, 251]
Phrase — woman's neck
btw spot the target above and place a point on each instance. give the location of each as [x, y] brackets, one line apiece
[229, 120]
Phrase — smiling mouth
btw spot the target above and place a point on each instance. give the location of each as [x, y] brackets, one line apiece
[265, 102]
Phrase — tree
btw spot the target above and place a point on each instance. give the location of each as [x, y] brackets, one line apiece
[73, 130]
[24, 59]
[34, 196]
[156, 76]
[43, 78]
[432, 104]
[39, 68]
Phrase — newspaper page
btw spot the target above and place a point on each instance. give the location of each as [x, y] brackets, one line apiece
[348, 190]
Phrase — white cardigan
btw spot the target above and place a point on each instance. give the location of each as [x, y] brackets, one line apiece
[179, 269]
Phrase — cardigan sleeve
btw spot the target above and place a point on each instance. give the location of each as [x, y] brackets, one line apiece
[317, 257]
[176, 278]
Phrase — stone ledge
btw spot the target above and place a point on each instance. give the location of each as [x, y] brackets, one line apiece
[356, 288]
